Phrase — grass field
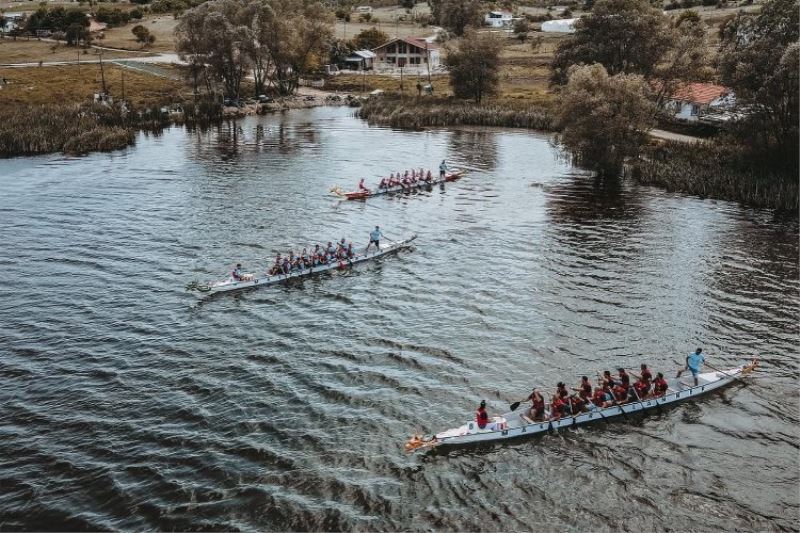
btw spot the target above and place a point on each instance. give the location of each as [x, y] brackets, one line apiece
[78, 83]
[524, 76]
[162, 26]
[33, 51]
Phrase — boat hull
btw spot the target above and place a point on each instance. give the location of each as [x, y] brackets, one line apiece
[266, 280]
[517, 427]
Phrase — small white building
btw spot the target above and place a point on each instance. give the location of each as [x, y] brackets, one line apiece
[360, 60]
[691, 101]
[499, 19]
[12, 21]
[363, 9]
[559, 26]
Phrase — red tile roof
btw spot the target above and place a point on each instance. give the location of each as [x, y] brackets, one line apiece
[699, 93]
[419, 42]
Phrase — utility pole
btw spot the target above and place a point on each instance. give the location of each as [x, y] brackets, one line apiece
[401, 81]
[123, 84]
[428, 62]
[103, 74]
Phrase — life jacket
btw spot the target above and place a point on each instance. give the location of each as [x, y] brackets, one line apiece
[481, 418]
[599, 398]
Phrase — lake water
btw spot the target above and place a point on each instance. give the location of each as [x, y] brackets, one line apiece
[128, 403]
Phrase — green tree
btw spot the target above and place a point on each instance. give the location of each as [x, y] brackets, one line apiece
[688, 58]
[369, 39]
[143, 35]
[521, 28]
[603, 119]
[473, 64]
[408, 4]
[75, 33]
[296, 36]
[339, 50]
[280, 40]
[457, 15]
[213, 34]
[625, 36]
[758, 58]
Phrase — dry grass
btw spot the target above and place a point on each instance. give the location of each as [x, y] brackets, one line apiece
[524, 78]
[78, 83]
[33, 51]
[162, 26]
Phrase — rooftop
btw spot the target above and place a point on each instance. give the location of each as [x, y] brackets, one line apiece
[699, 93]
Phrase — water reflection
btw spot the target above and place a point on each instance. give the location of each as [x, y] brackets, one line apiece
[587, 199]
[474, 148]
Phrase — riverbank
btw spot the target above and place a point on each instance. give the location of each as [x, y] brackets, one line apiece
[53, 108]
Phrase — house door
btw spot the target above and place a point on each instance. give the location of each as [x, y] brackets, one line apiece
[401, 62]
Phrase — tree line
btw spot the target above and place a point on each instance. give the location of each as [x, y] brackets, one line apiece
[627, 57]
[276, 41]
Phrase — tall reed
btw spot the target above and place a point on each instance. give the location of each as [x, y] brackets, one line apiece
[716, 169]
[419, 113]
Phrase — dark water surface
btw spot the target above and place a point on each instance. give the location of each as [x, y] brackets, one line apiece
[128, 403]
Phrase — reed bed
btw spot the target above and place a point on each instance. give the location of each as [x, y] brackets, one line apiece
[421, 113]
[77, 129]
[718, 171]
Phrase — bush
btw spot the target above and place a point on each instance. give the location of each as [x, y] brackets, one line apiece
[136, 14]
[112, 17]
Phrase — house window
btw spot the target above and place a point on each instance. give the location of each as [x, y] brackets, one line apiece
[401, 48]
[415, 61]
[390, 49]
[695, 110]
[390, 59]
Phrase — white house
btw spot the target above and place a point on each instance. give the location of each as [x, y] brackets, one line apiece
[407, 52]
[691, 101]
[559, 26]
[498, 19]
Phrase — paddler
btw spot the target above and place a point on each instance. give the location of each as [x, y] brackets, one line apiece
[599, 398]
[442, 169]
[536, 412]
[660, 385]
[237, 272]
[584, 390]
[693, 363]
[481, 416]
[624, 379]
[375, 238]
[330, 250]
[361, 186]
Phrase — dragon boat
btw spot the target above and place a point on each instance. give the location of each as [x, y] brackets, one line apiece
[515, 424]
[247, 281]
[422, 184]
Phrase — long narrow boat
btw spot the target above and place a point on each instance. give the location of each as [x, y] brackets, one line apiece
[513, 425]
[265, 280]
[363, 195]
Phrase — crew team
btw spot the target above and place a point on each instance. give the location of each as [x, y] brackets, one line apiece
[610, 391]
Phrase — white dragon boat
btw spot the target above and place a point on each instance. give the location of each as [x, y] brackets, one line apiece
[514, 424]
[369, 193]
[264, 280]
